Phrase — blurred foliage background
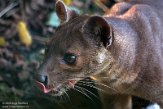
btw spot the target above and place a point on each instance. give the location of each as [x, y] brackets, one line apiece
[25, 26]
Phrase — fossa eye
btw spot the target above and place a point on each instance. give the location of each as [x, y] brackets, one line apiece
[69, 58]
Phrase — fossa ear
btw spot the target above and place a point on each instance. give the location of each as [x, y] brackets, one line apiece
[101, 29]
[63, 12]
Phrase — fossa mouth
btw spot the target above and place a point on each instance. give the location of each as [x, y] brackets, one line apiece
[56, 91]
[42, 87]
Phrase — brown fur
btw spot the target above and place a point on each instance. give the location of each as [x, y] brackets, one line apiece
[123, 50]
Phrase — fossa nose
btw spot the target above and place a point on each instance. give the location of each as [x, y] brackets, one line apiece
[42, 79]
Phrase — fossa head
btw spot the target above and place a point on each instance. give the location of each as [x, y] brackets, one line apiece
[79, 49]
